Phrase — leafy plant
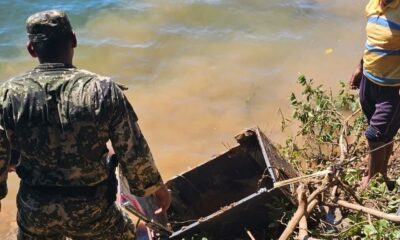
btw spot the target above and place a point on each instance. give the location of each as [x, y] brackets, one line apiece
[326, 122]
[380, 229]
[331, 129]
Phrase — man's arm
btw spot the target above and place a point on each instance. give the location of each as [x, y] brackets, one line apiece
[136, 160]
[4, 164]
[355, 79]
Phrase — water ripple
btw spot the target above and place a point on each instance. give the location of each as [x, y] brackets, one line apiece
[114, 42]
[213, 2]
[198, 32]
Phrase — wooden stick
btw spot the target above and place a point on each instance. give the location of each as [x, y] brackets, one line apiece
[301, 209]
[343, 143]
[373, 212]
[303, 230]
[303, 227]
[251, 236]
[311, 206]
[369, 219]
[301, 178]
[319, 190]
[349, 190]
[334, 192]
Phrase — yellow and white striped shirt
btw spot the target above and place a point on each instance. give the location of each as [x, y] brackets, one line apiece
[382, 49]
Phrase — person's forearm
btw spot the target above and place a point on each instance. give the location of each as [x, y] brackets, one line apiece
[137, 164]
[136, 160]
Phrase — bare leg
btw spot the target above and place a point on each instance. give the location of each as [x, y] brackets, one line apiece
[389, 151]
[377, 161]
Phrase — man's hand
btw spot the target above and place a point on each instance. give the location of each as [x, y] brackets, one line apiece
[355, 79]
[164, 199]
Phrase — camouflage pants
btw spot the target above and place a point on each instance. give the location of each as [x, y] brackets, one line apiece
[54, 217]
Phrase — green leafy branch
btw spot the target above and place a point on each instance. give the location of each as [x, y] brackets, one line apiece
[327, 122]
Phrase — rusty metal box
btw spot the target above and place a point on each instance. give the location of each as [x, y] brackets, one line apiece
[232, 193]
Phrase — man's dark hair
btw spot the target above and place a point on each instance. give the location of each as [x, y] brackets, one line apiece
[52, 48]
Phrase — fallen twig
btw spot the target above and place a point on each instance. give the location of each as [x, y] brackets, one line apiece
[311, 206]
[303, 208]
[319, 190]
[303, 228]
[373, 212]
[350, 191]
[301, 178]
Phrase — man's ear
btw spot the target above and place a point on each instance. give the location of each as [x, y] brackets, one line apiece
[74, 41]
[31, 50]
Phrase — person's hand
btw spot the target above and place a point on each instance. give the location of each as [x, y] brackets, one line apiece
[164, 199]
[355, 79]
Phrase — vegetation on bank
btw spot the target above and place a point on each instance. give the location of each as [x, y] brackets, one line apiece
[331, 133]
[331, 128]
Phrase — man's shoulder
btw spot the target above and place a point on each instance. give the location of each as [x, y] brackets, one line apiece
[101, 79]
[95, 76]
[16, 80]
[79, 76]
[20, 77]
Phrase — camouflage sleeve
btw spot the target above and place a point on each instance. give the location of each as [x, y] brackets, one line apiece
[129, 144]
[4, 151]
[4, 163]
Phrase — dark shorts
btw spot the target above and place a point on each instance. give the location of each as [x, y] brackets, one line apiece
[381, 106]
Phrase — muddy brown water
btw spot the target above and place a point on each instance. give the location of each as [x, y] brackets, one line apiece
[199, 72]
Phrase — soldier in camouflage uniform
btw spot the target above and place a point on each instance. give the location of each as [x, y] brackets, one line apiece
[59, 118]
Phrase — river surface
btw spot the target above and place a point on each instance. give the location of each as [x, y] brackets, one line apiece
[198, 71]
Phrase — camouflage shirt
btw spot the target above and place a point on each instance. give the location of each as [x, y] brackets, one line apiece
[59, 119]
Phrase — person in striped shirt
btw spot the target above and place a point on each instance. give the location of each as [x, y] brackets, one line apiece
[378, 78]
